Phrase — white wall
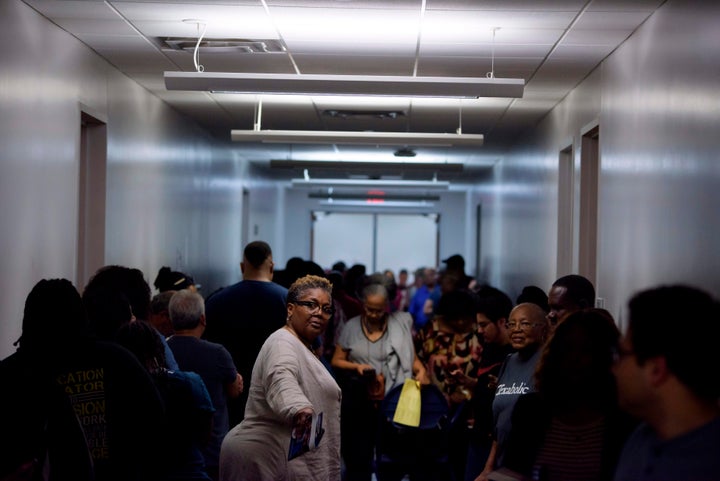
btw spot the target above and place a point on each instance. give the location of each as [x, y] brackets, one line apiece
[164, 204]
[657, 99]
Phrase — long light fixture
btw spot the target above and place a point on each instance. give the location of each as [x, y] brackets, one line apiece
[374, 85]
[376, 205]
[367, 165]
[373, 196]
[357, 137]
[372, 183]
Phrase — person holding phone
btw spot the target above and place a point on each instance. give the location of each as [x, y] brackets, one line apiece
[374, 353]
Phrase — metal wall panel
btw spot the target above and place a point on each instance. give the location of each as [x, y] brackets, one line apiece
[657, 102]
[164, 206]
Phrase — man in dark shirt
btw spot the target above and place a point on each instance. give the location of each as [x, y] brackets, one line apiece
[493, 311]
[243, 315]
[666, 370]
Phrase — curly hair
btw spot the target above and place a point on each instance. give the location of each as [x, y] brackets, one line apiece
[576, 363]
[306, 283]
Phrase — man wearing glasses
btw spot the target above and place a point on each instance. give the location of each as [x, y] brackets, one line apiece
[667, 376]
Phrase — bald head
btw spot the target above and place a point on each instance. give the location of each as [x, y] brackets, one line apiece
[567, 295]
[531, 311]
[257, 263]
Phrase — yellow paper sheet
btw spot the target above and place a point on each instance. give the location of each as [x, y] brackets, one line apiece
[409, 404]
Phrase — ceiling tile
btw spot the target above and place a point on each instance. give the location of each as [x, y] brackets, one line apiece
[628, 20]
[477, 67]
[542, 5]
[130, 62]
[347, 25]
[624, 5]
[73, 9]
[586, 55]
[222, 21]
[355, 4]
[349, 47]
[454, 26]
[354, 65]
[608, 37]
[485, 50]
[83, 26]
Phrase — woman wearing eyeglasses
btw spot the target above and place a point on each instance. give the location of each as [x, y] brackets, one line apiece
[527, 329]
[374, 353]
[575, 405]
[291, 429]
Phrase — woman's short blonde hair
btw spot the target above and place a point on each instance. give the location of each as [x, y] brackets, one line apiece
[306, 283]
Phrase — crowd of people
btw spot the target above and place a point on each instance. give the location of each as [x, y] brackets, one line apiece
[289, 375]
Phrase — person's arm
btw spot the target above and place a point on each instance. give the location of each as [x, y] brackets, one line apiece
[340, 361]
[428, 307]
[468, 382]
[235, 388]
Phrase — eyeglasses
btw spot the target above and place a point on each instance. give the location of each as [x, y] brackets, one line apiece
[314, 307]
[523, 325]
[374, 310]
[619, 353]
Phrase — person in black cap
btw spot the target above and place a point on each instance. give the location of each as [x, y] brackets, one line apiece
[456, 265]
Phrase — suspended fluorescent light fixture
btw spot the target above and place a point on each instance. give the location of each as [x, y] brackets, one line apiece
[333, 84]
[257, 134]
[369, 85]
[357, 137]
[373, 196]
[371, 183]
[367, 165]
[376, 205]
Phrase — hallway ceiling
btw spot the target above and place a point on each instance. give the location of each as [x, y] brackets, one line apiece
[551, 44]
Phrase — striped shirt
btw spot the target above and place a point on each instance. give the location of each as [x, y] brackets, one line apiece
[572, 452]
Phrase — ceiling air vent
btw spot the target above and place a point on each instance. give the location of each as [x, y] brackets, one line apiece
[223, 45]
[363, 114]
[404, 152]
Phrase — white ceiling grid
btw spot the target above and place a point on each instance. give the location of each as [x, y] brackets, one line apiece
[552, 44]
